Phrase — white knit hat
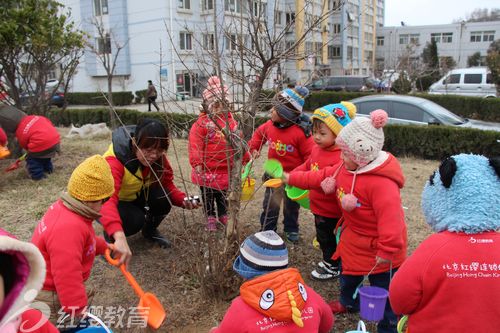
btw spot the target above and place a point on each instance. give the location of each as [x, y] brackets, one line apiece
[363, 138]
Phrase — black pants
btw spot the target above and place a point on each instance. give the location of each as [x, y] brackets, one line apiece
[212, 197]
[152, 100]
[325, 235]
[134, 215]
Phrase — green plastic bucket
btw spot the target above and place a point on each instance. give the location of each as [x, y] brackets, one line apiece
[298, 195]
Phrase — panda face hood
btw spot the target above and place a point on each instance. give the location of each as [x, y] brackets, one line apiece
[463, 195]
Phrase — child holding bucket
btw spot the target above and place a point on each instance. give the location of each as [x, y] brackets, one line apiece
[367, 185]
[288, 136]
[328, 121]
[66, 238]
[210, 154]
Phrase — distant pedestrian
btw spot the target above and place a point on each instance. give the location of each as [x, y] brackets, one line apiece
[151, 95]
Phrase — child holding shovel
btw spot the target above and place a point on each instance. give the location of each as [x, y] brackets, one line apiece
[68, 243]
[210, 154]
[367, 185]
[328, 121]
[289, 138]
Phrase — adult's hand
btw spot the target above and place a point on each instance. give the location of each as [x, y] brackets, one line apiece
[121, 247]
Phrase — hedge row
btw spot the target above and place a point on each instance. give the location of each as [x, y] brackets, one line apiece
[428, 142]
[487, 109]
[97, 98]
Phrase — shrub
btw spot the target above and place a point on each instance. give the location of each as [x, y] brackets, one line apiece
[402, 85]
[97, 98]
[428, 142]
[425, 81]
[140, 96]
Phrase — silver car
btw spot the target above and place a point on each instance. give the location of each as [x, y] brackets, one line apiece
[410, 110]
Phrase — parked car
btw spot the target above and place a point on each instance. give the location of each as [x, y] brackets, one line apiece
[57, 98]
[410, 110]
[341, 83]
[475, 81]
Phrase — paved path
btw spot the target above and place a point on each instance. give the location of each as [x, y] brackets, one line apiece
[189, 106]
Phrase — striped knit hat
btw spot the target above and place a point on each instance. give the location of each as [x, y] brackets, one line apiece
[335, 116]
[261, 253]
[295, 98]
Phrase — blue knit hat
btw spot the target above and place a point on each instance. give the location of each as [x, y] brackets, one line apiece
[261, 253]
[294, 97]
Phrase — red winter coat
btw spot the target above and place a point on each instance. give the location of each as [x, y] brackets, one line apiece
[322, 204]
[288, 145]
[69, 245]
[3, 137]
[451, 283]
[377, 226]
[37, 134]
[208, 148]
[246, 315]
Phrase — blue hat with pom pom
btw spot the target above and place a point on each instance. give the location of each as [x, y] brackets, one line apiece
[289, 103]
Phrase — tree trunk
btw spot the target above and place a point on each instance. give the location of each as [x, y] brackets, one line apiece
[112, 116]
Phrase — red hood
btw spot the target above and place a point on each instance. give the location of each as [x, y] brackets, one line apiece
[385, 165]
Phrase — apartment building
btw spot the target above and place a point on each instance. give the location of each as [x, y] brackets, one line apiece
[173, 43]
[458, 41]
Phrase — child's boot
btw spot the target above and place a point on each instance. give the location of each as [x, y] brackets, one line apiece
[211, 223]
[325, 271]
[223, 219]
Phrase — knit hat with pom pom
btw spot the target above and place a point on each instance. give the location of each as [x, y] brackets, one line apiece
[363, 138]
[214, 90]
[289, 103]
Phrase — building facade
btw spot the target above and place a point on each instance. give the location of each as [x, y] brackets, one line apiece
[458, 41]
[174, 43]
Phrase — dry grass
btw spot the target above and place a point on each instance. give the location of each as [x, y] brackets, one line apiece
[175, 275]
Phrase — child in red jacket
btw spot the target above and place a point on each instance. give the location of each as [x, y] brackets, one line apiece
[274, 298]
[36, 135]
[288, 135]
[367, 185]
[22, 271]
[4, 151]
[67, 241]
[210, 155]
[328, 121]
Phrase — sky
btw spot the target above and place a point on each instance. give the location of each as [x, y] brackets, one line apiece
[425, 12]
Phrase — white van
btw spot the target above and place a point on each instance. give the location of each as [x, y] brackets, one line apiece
[474, 81]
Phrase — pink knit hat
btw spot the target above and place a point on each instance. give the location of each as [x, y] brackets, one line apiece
[363, 138]
[214, 89]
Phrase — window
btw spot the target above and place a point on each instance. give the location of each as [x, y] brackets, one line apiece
[231, 43]
[473, 78]
[442, 37]
[333, 52]
[380, 40]
[277, 17]
[349, 52]
[185, 41]
[452, 79]
[100, 7]
[184, 4]
[406, 111]
[414, 38]
[233, 6]
[104, 44]
[482, 36]
[208, 42]
[403, 39]
[259, 9]
[207, 4]
[475, 36]
[367, 107]
[290, 18]
[336, 28]
[488, 36]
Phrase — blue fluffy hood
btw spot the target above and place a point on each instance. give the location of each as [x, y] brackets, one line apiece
[463, 195]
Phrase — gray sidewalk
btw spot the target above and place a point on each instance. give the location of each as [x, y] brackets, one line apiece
[188, 106]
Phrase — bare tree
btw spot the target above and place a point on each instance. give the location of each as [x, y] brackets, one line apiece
[106, 47]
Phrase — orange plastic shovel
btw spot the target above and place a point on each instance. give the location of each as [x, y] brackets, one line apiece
[273, 182]
[150, 307]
